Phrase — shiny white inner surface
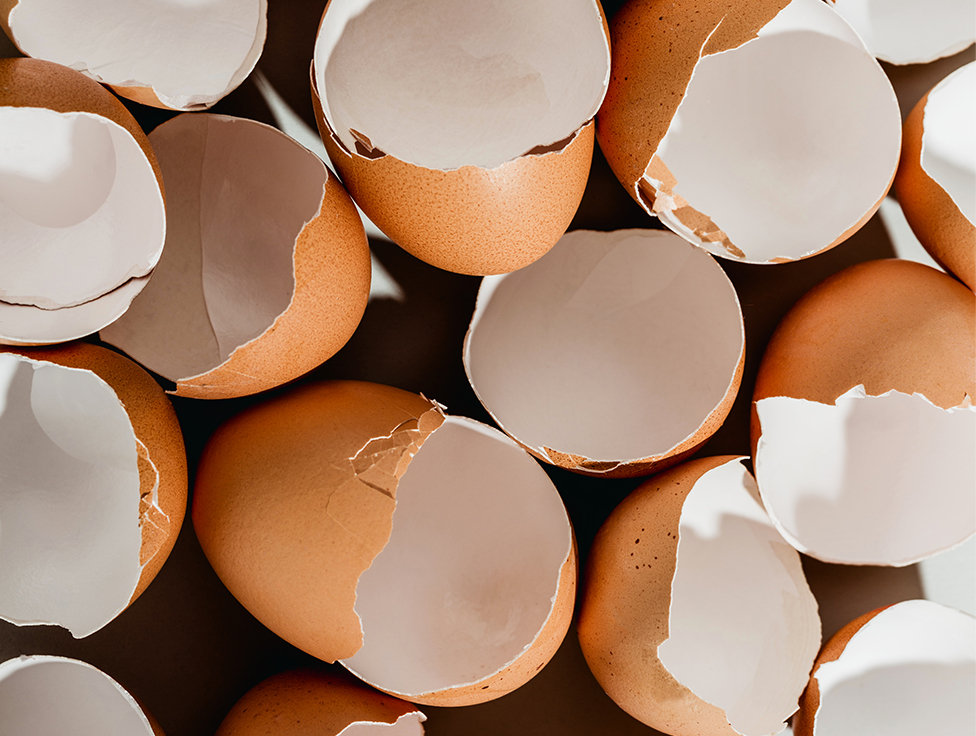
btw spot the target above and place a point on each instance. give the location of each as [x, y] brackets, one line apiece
[410, 724]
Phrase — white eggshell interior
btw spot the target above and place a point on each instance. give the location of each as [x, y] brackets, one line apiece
[910, 32]
[239, 194]
[448, 83]
[909, 670]
[410, 724]
[612, 346]
[470, 573]
[69, 498]
[53, 695]
[743, 627]
[785, 142]
[870, 480]
[191, 52]
[80, 208]
[949, 137]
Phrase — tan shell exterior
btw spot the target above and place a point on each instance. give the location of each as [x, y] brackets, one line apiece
[309, 702]
[156, 427]
[936, 221]
[626, 602]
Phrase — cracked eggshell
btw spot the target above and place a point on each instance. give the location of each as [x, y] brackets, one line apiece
[266, 270]
[936, 181]
[696, 617]
[474, 159]
[902, 670]
[763, 133]
[81, 205]
[177, 55]
[309, 702]
[863, 427]
[105, 457]
[615, 354]
[479, 556]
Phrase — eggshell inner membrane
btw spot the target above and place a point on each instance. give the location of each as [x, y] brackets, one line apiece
[949, 138]
[871, 480]
[69, 498]
[80, 208]
[239, 194]
[473, 562]
[758, 633]
[49, 695]
[613, 346]
[762, 144]
[907, 671]
[908, 32]
[444, 84]
[407, 725]
[199, 49]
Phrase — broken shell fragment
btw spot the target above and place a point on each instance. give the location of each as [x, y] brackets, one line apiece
[615, 354]
[94, 485]
[936, 182]
[177, 55]
[266, 269]
[467, 135]
[900, 671]
[360, 494]
[81, 205]
[696, 617]
[310, 702]
[863, 423]
[763, 134]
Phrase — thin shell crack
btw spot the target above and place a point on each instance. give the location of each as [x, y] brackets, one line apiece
[152, 521]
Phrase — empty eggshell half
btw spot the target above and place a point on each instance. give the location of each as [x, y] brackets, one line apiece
[266, 270]
[358, 495]
[310, 702]
[936, 182]
[615, 354]
[765, 133]
[863, 425]
[696, 617]
[178, 55]
[93, 488]
[900, 671]
[467, 135]
[81, 205]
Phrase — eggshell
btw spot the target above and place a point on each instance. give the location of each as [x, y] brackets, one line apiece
[616, 354]
[47, 694]
[125, 554]
[82, 204]
[936, 182]
[479, 526]
[310, 702]
[180, 56]
[901, 670]
[266, 270]
[695, 616]
[863, 427]
[503, 177]
[737, 125]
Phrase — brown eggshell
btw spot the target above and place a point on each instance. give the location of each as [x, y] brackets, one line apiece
[309, 702]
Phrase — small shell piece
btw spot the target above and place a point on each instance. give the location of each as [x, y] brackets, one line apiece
[615, 354]
[358, 495]
[899, 671]
[81, 205]
[310, 702]
[176, 55]
[94, 485]
[42, 694]
[467, 135]
[266, 269]
[696, 617]
[863, 426]
[764, 134]
[936, 182]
